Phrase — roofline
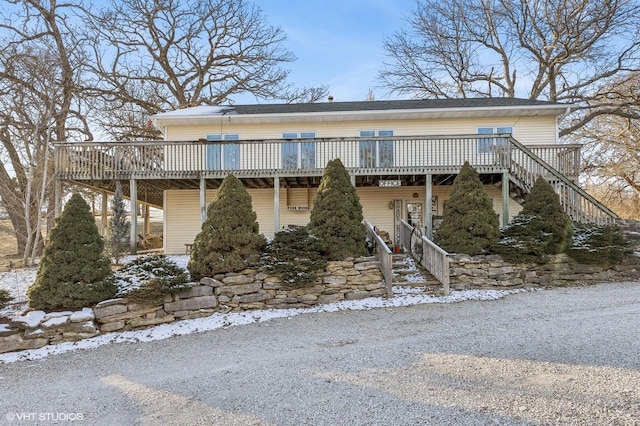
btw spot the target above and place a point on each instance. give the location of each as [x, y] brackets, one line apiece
[553, 109]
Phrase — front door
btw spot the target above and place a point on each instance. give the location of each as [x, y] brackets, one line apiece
[415, 214]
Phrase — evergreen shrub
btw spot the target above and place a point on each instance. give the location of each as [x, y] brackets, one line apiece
[148, 279]
[5, 298]
[296, 257]
[118, 232]
[74, 272]
[469, 223]
[229, 240]
[598, 244]
[336, 217]
[542, 228]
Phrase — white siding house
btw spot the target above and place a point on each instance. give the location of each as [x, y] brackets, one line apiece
[279, 152]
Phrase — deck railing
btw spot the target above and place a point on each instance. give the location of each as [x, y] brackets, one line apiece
[434, 259]
[526, 165]
[374, 155]
[379, 156]
[384, 256]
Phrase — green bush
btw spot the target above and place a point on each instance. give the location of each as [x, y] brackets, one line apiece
[5, 298]
[296, 257]
[118, 235]
[74, 272]
[148, 279]
[229, 240]
[541, 229]
[469, 222]
[598, 244]
[336, 217]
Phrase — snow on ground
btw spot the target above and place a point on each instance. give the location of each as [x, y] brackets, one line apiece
[18, 281]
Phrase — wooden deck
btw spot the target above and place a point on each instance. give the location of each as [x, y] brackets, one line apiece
[153, 166]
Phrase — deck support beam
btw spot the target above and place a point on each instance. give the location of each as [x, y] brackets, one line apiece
[276, 204]
[133, 196]
[105, 212]
[505, 198]
[203, 200]
[428, 208]
[58, 197]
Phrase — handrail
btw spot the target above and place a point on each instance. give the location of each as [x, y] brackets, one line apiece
[383, 254]
[578, 204]
[390, 156]
[181, 159]
[434, 258]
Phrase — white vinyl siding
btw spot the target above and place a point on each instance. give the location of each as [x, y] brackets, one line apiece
[182, 209]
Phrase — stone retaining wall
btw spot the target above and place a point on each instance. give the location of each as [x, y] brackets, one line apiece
[250, 289]
[492, 272]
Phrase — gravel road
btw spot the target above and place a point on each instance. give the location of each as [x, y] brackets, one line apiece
[562, 356]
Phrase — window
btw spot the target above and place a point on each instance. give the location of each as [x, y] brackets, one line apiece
[485, 145]
[224, 155]
[378, 153]
[299, 155]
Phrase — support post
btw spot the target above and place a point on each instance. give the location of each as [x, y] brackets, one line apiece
[133, 197]
[276, 204]
[147, 220]
[505, 198]
[203, 200]
[429, 205]
[58, 197]
[105, 212]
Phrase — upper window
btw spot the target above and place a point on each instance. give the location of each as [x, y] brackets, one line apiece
[299, 155]
[486, 145]
[376, 153]
[224, 155]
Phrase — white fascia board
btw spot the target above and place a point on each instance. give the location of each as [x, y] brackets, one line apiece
[424, 113]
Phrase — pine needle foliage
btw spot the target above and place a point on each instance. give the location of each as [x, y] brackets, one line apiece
[336, 217]
[229, 240]
[469, 224]
[295, 257]
[542, 228]
[598, 244]
[148, 279]
[74, 272]
[117, 242]
[5, 298]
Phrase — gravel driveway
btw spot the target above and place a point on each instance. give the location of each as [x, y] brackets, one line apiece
[561, 356]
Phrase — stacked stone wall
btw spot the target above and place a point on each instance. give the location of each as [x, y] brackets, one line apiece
[250, 289]
[492, 272]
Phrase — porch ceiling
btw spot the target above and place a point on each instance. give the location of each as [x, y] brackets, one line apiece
[151, 191]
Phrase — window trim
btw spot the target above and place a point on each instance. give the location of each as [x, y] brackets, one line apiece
[225, 148]
[484, 145]
[377, 134]
[299, 149]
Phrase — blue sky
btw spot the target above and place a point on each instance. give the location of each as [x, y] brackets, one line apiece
[337, 42]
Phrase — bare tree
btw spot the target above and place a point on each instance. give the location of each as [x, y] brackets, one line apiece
[38, 66]
[611, 153]
[169, 54]
[561, 51]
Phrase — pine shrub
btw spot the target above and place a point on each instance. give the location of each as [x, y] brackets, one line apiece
[74, 272]
[542, 228]
[336, 217]
[148, 279]
[598, 244]
[229, 240]
[5, 298]
[118, 235]
[296, 257]
[469, 223]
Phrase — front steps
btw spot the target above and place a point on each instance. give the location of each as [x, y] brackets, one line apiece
[411, 277]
